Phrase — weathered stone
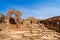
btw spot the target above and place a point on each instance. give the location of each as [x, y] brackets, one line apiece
[17, 19]
[28, 29]
[32, 19]
[1, 18]
[52, 23]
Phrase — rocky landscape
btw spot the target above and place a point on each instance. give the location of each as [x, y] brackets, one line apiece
[30, 28]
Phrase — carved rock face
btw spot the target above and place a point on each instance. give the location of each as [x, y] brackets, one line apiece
[32, 19]
[10, 20]
[52, 23]
[1, 18]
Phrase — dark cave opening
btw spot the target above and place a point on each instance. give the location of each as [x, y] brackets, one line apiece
[12, 21]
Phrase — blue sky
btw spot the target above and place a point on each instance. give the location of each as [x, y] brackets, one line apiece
[35, 8]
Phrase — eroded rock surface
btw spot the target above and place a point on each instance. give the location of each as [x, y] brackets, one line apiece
[1, 18]
[29, 28]
[52, 23]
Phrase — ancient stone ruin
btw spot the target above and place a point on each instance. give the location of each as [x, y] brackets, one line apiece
[17, 14]
[51, 23]
[30, 28]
